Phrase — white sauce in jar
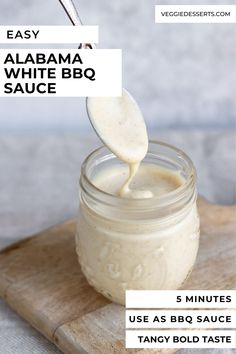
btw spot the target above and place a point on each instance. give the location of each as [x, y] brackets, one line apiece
[117, 254]
[157, 180]
[118, 250]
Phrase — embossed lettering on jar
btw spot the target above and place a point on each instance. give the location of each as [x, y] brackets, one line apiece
[147, 244]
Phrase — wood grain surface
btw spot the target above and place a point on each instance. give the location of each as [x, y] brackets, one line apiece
[41, 280]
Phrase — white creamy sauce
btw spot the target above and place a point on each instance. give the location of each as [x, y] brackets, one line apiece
[117, 253]
[120, 124]
[157, 180]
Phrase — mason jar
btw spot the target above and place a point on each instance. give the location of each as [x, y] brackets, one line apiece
[137, 244]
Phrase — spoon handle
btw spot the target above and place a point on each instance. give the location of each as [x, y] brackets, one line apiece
[72, 13]
[70, 9]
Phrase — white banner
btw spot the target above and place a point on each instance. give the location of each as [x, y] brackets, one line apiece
[181, 319]
[181, 299]
[60, 72]
[48, 34]
[180, 339]
[195, 13]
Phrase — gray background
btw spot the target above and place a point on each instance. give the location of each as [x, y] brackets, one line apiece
[181, 75]
[184, 78]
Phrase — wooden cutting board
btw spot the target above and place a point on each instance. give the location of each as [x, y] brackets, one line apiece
[41, 280]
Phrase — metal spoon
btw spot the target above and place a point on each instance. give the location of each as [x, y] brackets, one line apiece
[72, 13]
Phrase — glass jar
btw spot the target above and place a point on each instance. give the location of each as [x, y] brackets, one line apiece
[137, 244]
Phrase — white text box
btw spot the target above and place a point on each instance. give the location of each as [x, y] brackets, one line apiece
[181, 299]
[48, 34]
[180, 339]
[195, 14]
[181, 319]
[31, 68]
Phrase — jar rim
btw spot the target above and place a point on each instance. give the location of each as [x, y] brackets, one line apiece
[104, 197]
